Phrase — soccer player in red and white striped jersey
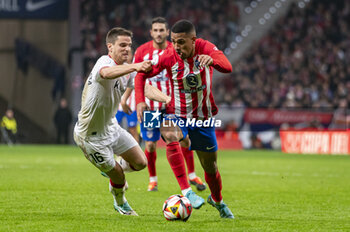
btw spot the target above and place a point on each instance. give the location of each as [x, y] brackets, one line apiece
[190, 66]
[152, 50]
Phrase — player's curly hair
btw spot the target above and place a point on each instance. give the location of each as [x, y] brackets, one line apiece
[183, 26]
[113, 34]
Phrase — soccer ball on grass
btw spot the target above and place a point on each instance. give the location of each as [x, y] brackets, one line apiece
[177, 207]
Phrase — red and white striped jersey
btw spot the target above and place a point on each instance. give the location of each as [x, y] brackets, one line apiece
[131, 102]
[190, 83]
[161, 80]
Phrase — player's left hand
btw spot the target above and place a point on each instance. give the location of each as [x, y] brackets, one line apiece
[142, 106]
[126, 108]
[205, 60]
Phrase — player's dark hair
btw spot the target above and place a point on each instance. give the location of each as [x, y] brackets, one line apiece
[183, 26]
[160, 20]
[113, 34]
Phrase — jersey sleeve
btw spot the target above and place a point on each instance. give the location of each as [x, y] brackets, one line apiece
[140, 79]
[220, 62]
[138, 55]
[103, 62]
[131, 80]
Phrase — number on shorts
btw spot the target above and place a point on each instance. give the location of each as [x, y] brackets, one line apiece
[97, 158]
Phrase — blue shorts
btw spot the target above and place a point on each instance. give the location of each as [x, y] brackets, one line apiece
[150, 134]
[202, 138]
[132, 118]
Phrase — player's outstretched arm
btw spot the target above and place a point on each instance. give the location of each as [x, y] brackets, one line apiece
[221, 63]
[121, 70]
[216, 57]
[155, 94]
[140, 83]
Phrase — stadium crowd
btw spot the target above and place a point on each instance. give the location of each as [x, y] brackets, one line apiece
[215, 20]
[301, 63]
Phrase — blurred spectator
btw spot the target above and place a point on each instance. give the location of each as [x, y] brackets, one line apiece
[216, 20]
[301, 63]
[8, 127]
[341, 116]
[62, 120]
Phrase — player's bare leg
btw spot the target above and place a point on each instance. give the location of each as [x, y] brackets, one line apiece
[132, 160]
[133, 132]
[213, 178]
[151, 154]
[172, 134]
[188, 155]
[135, 160]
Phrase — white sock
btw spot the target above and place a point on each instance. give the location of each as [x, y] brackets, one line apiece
[185, 191]
[118, 194]
[153, 179]
[192, 175]
[218, 203]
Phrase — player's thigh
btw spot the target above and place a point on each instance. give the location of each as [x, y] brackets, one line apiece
[172, 133]
[127, 147]
[136, 157]
[100, 155]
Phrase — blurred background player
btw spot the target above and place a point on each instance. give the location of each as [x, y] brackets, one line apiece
[127, 108]
[97, 132]
[190, 65]
[151, 51]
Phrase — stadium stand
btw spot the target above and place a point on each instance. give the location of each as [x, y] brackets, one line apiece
[216, 21]
[300, 63]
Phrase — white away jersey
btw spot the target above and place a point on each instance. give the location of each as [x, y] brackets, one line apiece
[99, 102]
[131, 102]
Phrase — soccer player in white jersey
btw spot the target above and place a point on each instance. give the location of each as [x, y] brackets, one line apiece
[97, 132]
[127, 107]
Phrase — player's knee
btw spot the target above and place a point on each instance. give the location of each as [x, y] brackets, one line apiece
[170, 137]
[140, 164]
[210, 166]
[185, 142]
[150, 146]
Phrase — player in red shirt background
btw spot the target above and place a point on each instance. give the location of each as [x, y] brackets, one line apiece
[151, 51]
[190, 66]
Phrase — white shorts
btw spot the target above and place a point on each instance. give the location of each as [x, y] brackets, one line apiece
[101, 154]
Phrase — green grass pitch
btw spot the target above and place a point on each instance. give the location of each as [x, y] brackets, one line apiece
[54, 188]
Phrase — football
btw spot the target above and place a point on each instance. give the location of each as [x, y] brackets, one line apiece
[177, 207]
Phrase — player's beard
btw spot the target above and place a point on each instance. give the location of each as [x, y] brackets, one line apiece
[159, 40]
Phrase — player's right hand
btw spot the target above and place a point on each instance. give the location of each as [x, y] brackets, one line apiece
[144, 66]
[142, 106]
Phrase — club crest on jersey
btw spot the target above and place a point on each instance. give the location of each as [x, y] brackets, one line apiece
[116, 85]
[192, 80]
[197, 64]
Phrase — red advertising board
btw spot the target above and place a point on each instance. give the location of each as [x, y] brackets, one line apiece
[315, 142]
